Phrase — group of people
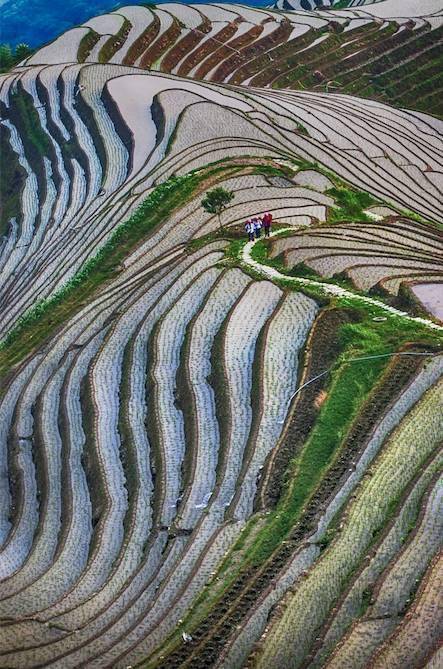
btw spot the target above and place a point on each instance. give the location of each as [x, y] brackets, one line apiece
[253, 226]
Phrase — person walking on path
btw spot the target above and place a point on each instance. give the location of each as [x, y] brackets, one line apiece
[267, 222]
[249, 229]
[257, 227]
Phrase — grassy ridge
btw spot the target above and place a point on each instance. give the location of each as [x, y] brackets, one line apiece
[12, 180]
[351, 383]
[33, 328]
[351, 204]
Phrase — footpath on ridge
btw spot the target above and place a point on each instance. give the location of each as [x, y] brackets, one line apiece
[329, 289]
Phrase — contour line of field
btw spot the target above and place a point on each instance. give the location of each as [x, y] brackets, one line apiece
[328, 288]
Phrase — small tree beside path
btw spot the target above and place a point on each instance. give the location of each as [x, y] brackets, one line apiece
[216, 201]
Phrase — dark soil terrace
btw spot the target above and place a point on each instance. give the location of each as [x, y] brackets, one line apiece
[212, 48]
[160, 46]
[184, 45]
[142, 42]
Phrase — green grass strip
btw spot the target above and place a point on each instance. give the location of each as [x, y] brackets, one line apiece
[351, 204]
[42, 319]
[352, 382]
[23, 104]
[351, 385]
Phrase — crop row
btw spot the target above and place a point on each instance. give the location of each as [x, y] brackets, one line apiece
[354, 602]
[418, 637]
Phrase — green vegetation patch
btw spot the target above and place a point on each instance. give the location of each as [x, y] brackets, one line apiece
[12, 179]
[22, 107]
[351, 204]
[352, 383]
[33, 328]
[11, 57]
[273, 171]
[341, 4]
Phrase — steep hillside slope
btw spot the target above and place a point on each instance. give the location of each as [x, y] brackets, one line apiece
[217, 452]
[103, 136]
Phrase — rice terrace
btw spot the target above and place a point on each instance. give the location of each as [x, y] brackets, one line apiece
[221, 336]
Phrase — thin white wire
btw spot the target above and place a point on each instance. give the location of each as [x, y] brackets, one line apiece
[366, 357]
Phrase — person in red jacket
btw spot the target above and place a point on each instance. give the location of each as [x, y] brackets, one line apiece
[267, 222]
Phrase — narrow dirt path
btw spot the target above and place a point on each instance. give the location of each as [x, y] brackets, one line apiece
[329, 289]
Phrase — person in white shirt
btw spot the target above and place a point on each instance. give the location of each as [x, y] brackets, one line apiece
[249, 229]
[257, 226]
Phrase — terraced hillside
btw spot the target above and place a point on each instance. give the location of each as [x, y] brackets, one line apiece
[214, 452]
[92, 156]
[394, 255]
[391, 55]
